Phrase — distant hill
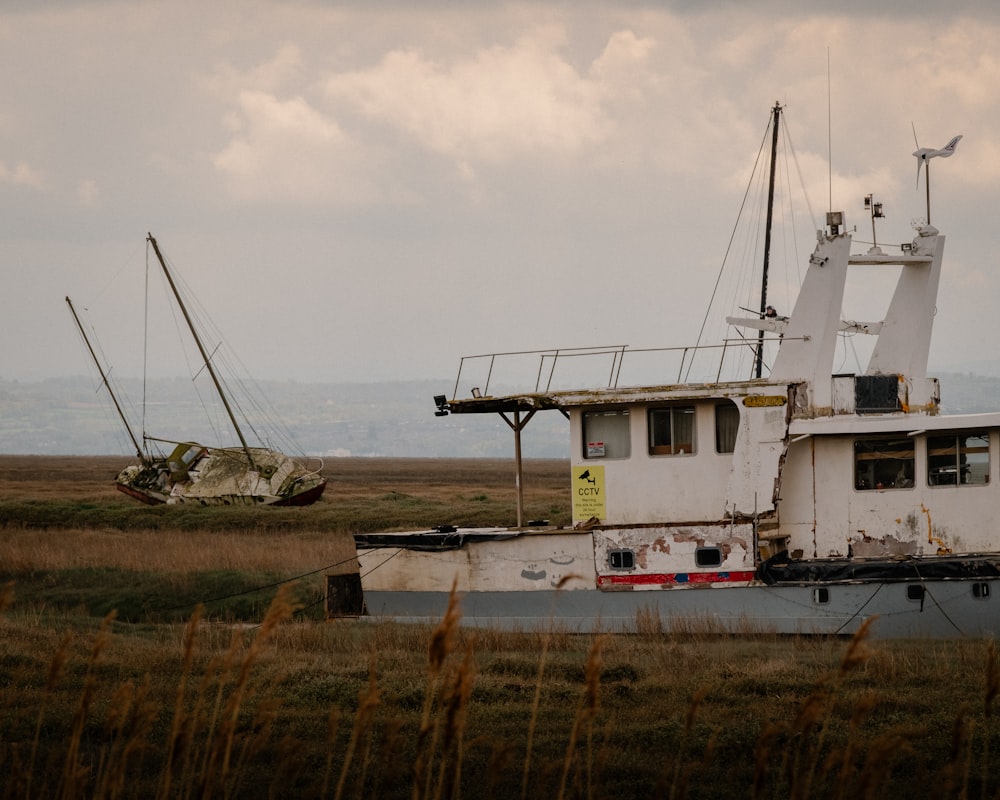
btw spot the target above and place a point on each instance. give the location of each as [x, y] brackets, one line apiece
[969, 393]
[73, 416]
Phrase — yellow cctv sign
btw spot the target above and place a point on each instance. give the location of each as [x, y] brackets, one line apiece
[588, 493]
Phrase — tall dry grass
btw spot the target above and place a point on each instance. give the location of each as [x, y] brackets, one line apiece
[99, 708]
[488, 714]
[25, 549]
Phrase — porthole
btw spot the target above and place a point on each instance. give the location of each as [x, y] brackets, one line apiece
[821, 595]
[708, 557]
[621, 559]
[915, 592]
[980, 590]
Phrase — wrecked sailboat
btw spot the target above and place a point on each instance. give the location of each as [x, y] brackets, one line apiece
[192, 472]
[801, 500]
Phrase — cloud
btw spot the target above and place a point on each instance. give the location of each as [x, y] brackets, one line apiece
[286, 150]
[88, 193]
[578, 165]
[495, 103]
[21, 174]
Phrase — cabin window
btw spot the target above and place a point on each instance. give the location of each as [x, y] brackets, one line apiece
[708, 557]
[606, 434]
[958, 459]
[621, 559]
[981, 591]
[883, 464]
[821, 595]
[915, 592]
[727, 422]
[671, 431]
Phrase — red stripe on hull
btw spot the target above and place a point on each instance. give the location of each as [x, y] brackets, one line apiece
[675, 578]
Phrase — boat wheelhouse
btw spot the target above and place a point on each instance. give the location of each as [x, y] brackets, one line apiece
[803, 501]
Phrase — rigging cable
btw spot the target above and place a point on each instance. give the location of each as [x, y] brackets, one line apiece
[729, 245]
[259, 588]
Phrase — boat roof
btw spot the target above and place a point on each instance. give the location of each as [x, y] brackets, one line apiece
[604, 397]
[890, 423]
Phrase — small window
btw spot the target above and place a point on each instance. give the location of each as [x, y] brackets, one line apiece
[915, 592]
[876, 394]
[621, 559]
[821, 595]
[883, 464]
[958, 459]
[727, 423]
[980, 590]
[606, 434]
[671, 431]
[708, 557]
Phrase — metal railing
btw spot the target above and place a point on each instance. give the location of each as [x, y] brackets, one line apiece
[548, 360]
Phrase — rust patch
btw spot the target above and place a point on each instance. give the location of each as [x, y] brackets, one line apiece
[682, 537]
[886, 546]
[942, 547]
[730, 544]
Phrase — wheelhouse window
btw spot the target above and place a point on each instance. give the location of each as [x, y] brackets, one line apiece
[727, 423]
[883, 464]
[606, 434]
[671, 430]
[958, 459]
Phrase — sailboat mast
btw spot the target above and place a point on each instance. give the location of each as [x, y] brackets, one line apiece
[104, 379]
[201, 349]
[776, 112]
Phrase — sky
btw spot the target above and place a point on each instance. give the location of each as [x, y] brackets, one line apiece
[367, 191]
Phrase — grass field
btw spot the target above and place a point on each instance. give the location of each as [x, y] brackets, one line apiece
[155, 652]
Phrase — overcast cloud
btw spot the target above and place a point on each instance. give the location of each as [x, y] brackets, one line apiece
[367, 191]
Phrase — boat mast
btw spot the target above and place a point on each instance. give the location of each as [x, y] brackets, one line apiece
[776, 116]
[104, 380]
[201, 349]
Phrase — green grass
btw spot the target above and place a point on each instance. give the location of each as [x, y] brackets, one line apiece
[137, 596]
[390, 511]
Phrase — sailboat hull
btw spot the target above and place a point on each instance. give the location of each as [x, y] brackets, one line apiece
[306, 498]
[222, 477]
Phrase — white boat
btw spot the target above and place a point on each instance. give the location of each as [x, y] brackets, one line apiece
[194, 473]
[799, 502]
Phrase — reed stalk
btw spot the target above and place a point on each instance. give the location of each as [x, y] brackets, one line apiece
[587, 710]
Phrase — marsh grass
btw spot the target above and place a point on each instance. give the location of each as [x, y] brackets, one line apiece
[362, 495]
[346, 710]
[173, 660]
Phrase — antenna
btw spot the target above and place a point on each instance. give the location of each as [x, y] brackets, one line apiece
[829, 133]
[875, 209]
